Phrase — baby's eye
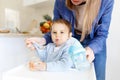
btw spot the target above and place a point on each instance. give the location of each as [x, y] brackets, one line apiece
[54, 32]
[62, 32]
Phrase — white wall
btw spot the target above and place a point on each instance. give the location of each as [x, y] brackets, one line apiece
[113, 45]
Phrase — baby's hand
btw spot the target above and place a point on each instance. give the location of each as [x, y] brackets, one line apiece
[37, 66]
[29, 42]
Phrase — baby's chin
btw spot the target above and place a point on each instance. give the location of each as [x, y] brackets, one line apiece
[58, 44]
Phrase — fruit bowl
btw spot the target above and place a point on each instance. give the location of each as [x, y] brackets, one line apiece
[46, 25]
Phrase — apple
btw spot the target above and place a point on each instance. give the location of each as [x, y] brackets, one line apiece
[46, 25]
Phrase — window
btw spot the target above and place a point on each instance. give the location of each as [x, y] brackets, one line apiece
[12, 19]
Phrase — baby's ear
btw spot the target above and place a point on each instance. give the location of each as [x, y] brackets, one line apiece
[70, 34]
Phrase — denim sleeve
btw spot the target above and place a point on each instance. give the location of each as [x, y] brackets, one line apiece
[56, 10]
[101, 30]
[47, 36]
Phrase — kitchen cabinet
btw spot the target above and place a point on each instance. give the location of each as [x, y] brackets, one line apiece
[37, 3]
[32, 2]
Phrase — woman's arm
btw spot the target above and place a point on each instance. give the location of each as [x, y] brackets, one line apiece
[47, 36]
[101, 30]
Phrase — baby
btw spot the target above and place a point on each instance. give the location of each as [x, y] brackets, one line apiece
[56, 56]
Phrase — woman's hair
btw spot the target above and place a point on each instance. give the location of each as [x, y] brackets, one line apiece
[63, 21]
[90, 13]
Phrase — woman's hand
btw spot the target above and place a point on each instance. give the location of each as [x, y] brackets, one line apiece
[89, 54]
[29, 42]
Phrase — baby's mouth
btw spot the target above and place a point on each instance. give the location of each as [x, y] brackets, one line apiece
[57, 40]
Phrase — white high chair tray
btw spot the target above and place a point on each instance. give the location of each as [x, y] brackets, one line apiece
[23, 73]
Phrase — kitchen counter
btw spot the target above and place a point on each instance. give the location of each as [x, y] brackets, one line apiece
[19, 35]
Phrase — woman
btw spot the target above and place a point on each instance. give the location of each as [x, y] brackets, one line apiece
[90, 21]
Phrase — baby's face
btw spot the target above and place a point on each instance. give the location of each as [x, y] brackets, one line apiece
[60, 33]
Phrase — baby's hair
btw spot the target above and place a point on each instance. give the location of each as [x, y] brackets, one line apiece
[63, 21]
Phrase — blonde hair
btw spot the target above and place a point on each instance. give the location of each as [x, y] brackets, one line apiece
[91, 12]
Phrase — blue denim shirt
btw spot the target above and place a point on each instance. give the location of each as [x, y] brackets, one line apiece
[96, 40]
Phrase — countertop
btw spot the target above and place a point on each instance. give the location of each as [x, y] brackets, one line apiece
[20, 35]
